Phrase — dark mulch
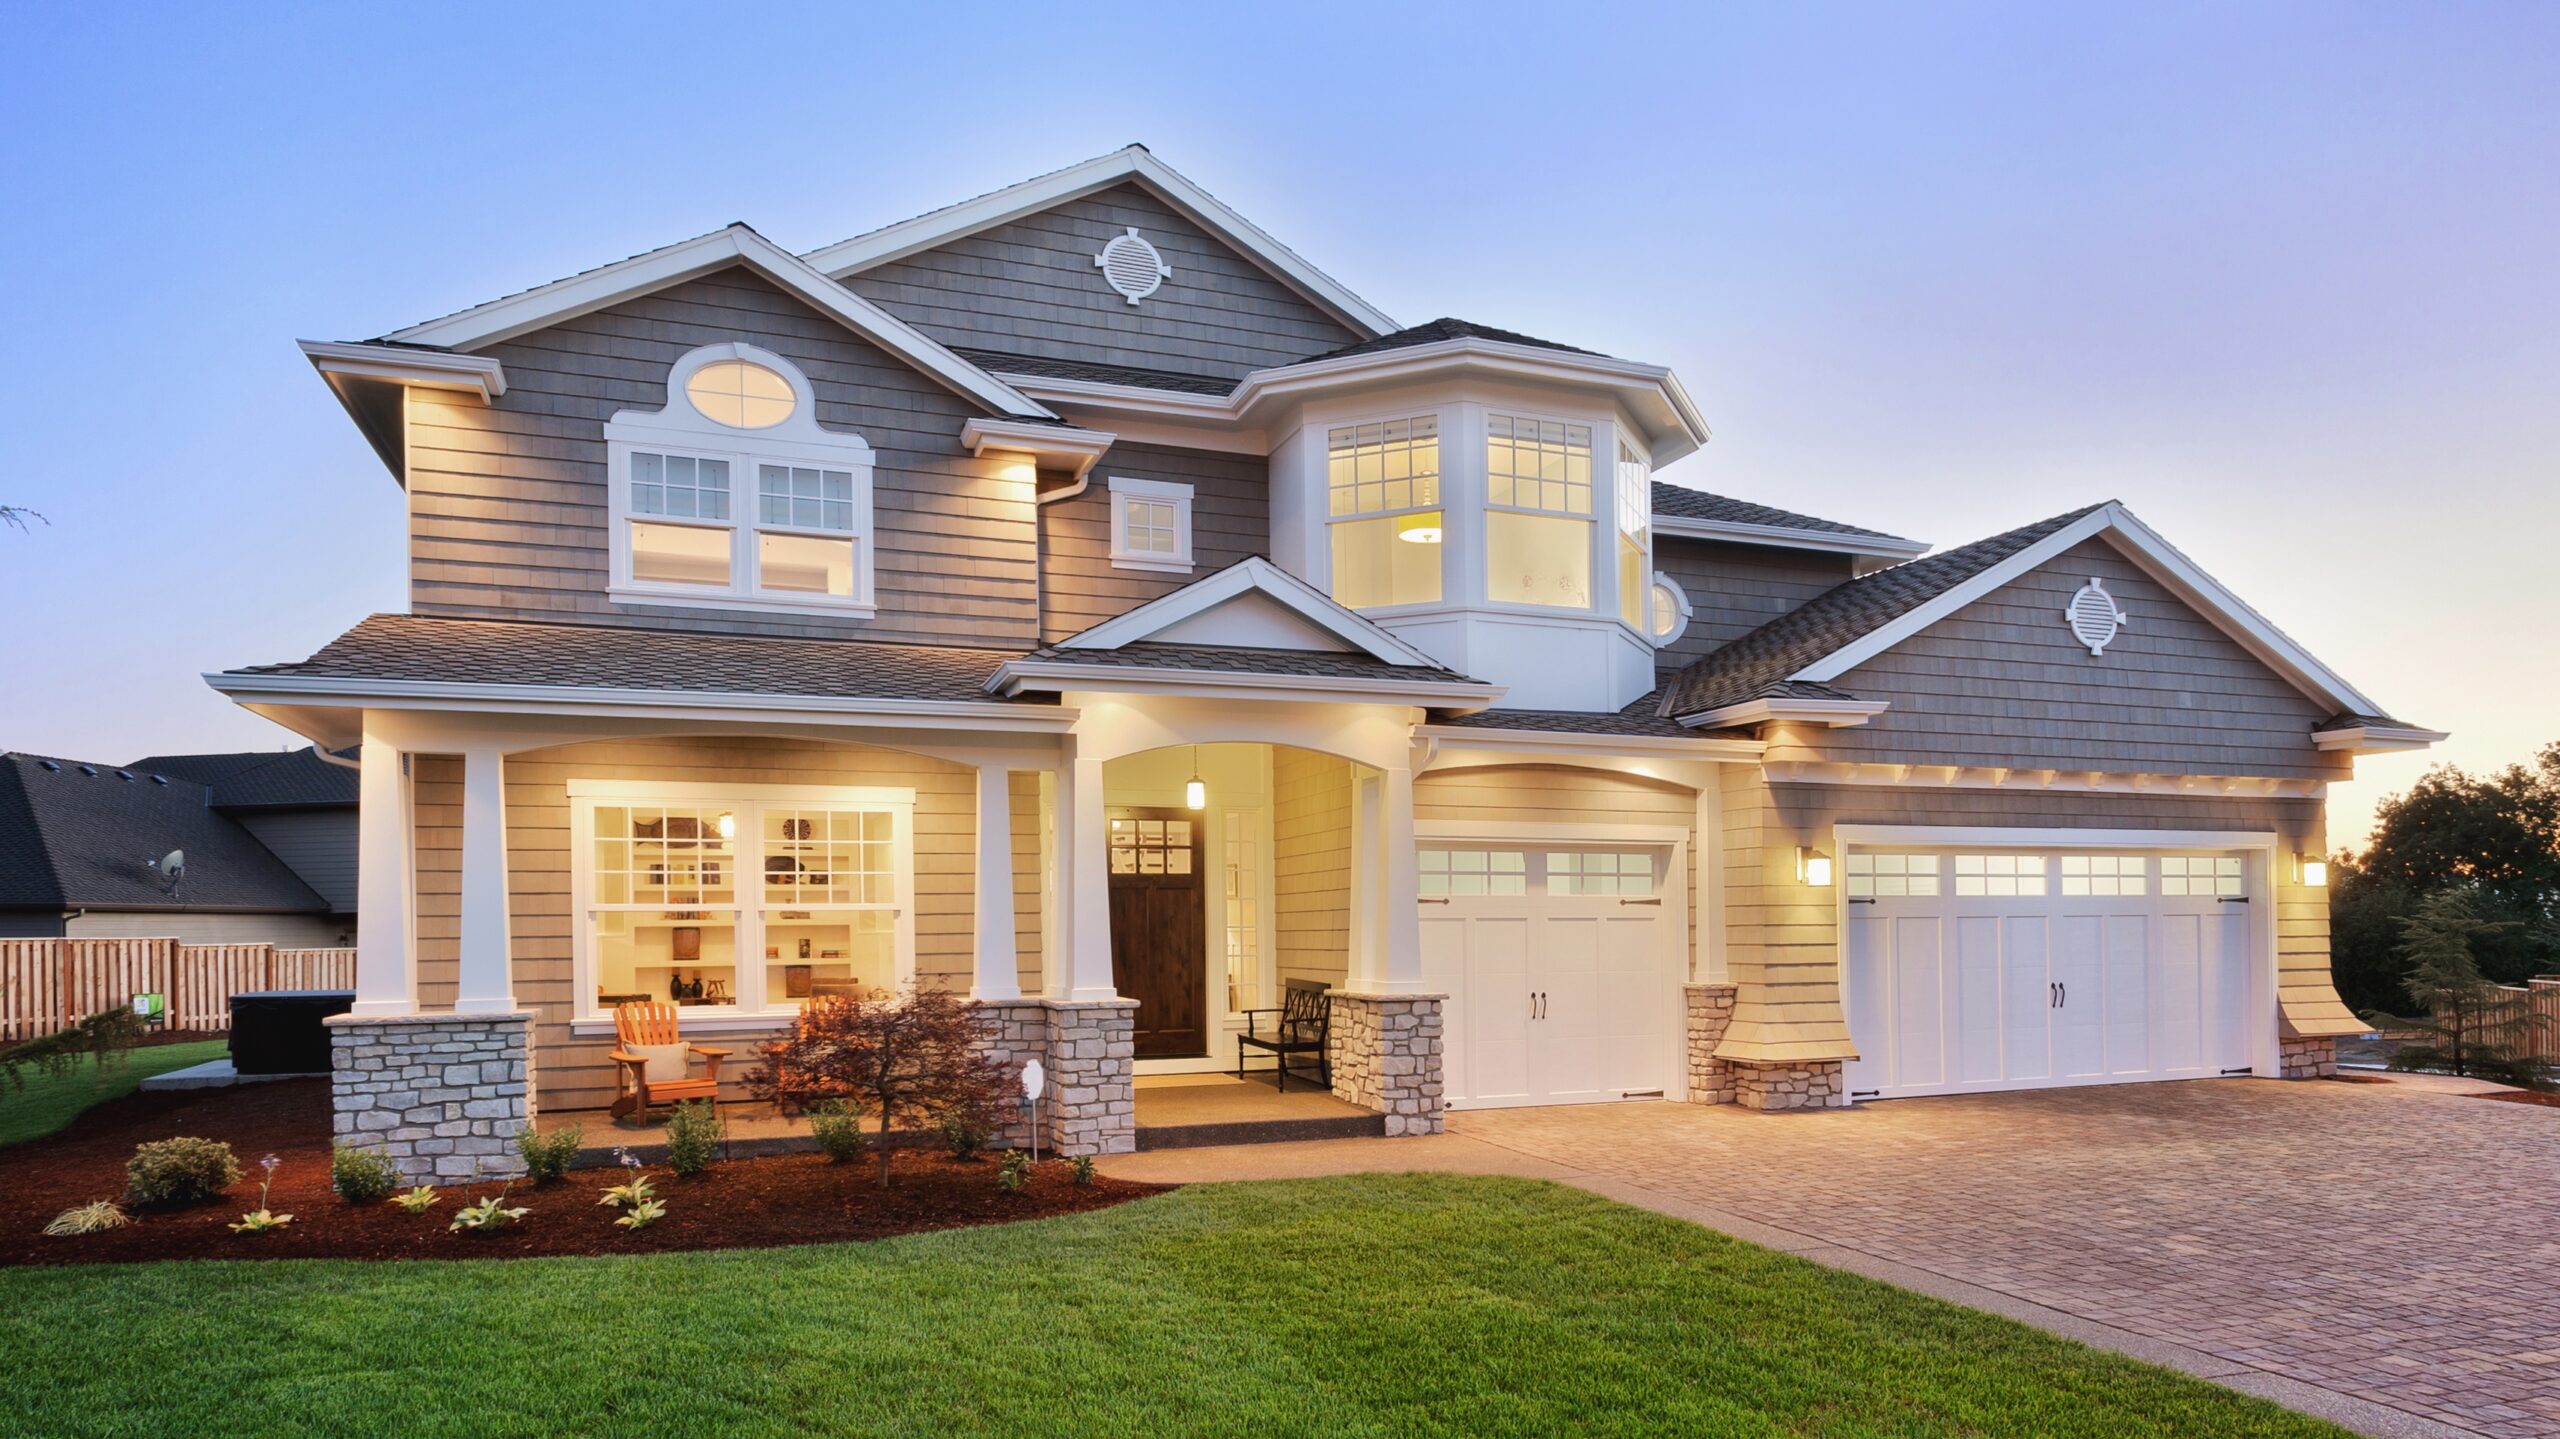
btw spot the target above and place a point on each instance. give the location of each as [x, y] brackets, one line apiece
[736, 1204]
[2524, 1096]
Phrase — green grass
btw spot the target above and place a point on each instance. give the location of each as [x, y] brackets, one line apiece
[1407, 1304]
[50, 1101]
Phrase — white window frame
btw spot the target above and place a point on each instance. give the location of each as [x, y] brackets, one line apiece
[1442, 438]
[752, 1008]
[797, 440]
[1631, 481]
[1683, 611]
[1599, 559]
[1164, 492]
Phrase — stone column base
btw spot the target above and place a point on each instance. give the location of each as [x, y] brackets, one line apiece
[1385, 1053]
[1092, 1104]
[1710, 1011]
[441, 1094]
[2307, 1058]
[1798, 1084]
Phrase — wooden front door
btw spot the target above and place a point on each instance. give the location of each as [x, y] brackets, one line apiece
[1160, 929]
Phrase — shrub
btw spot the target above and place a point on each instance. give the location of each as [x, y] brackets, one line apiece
[487, 1214]
[361, 1176]
[547, 1157]
[1015, 1173]
[966, 1129]
[694, 1133]
[642, 1214]
[417, 1199]
[1080, 1169]
[837, 1126]
[88, 1219]
[922, 1053]
[179, 1171]
[109, 1034]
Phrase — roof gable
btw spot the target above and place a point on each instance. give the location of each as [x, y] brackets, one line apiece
[75, 834]
[1251, 604]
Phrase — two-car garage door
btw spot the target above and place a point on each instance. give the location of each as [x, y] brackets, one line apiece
[1973, 971]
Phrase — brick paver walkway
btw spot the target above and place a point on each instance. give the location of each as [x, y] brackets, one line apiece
[2378, 1241]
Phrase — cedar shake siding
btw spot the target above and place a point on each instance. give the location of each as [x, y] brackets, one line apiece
[1030, 287]
[508, 507]
[1230, 520]
[1311, 865]
[2003, 682]
[1736, 589]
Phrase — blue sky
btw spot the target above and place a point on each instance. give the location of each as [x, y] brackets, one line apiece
[2281, 277]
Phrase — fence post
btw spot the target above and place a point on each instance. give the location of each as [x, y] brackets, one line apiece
[64, 996]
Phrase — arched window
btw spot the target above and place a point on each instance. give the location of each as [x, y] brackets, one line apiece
[733, 496]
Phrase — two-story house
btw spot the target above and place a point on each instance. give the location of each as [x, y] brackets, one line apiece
[1075, 598]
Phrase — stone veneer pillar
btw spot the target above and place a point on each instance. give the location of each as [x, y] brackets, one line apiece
[1797, 1084]
[442, 1095]
[1385, 1054]
[2315, 1058]
[1089, 1105]
[1710, 1010]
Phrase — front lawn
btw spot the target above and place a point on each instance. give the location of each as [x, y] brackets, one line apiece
[1404, 1304]
[49, 1102]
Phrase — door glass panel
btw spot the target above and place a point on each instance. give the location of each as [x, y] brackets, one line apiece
[1869, 875]
[2203, 874]
[2000, 875]
[2105, 874]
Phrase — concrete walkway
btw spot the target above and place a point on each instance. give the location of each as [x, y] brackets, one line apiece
[2378, 1255]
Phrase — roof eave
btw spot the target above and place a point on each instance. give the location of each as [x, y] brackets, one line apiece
[1832, 714]
[1020, 677]
[1886, 547]
[2377, 739]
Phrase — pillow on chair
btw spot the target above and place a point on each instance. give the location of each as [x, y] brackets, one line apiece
[665, 1062]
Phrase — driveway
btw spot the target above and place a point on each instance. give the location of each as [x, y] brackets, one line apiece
[2333, 1246]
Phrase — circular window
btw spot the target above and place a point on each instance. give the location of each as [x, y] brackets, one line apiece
[741, 393]
[1669, 610]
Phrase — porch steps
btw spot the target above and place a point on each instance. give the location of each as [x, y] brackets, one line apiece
[1262, 1131]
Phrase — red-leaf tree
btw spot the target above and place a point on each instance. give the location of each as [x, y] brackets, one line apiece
[922, 1054]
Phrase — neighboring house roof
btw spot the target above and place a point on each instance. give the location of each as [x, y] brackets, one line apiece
[1001, 362]
[261, 779]
[1444, 328]
[1130, 163]
[1723, 517]
[77, 835]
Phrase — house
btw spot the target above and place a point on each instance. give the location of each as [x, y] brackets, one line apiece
[269, 840]
[1075, 597]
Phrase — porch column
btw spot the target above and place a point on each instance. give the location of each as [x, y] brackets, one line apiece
[998, 976]
[486, 982]
[1084, 883]
[1401, 964]
[386, 971]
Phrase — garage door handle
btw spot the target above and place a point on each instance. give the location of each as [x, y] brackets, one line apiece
[1655, 900]
[1431, 901]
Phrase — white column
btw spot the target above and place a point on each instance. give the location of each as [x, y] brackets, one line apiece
[1363, 970]
[998, 969]
[486, 979]
[1401, 965]
[1706, 896]
[386, 973]
[1084, 881]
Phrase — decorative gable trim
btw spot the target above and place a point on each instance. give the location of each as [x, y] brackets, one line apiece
[2141, 544]
[1134, 163]
[690, 259]
[1253, 575]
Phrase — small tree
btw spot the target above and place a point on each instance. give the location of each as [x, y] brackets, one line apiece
[922, 1054]
[2472, 1025]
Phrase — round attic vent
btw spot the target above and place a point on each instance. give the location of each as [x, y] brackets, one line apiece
[1132, 266]
[2094, 618]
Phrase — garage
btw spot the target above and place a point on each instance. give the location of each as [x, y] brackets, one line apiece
[1562, 963]
[1980, 969]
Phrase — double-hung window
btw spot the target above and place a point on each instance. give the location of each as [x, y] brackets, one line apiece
[1635, 537]
[1382, 506]
[732, 495]
[1537, 512]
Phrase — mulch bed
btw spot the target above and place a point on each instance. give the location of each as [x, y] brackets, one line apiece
[2524, 1096]
[740, 1203]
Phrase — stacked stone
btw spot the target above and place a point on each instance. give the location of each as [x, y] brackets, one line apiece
[1710, 1011]
[2307, 1058]
[1805, 1084]
[1017, 1032]
[1092, 1106]
[442, 1095]
[1385, 1050]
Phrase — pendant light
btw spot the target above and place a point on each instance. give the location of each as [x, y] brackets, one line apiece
[1195, 794]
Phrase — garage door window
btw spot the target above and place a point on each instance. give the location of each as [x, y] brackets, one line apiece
[1875, 876]
[2000, 875]
[1472, 872]
[1599, 872]
[2202, 874]
[2105, 874]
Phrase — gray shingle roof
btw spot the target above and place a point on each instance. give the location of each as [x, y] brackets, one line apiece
[1239, 659]
[501, 652]
[1686, 503]
[1007, 363]
[1435, 331]
[76, 834]
[260, 779]
[1642, 718]
[1756, 666]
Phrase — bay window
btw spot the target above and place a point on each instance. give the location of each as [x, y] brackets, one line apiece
[1382, 485]
[1537, 512]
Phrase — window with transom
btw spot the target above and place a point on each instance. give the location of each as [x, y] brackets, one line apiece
[1537, 512]
[1382, 505]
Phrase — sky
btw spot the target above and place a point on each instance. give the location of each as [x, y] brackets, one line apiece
[2284, 278]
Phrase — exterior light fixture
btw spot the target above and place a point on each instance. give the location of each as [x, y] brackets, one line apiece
[1419, 529]
[2309, 871]
[1195, 795]
[1813, 867]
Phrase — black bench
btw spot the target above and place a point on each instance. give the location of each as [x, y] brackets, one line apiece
[1306, 1018]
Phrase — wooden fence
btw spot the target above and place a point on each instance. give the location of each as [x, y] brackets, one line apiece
[2521, 1030]
[48, 983]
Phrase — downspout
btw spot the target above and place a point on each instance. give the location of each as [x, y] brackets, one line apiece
[329, 756]
[1039, 554]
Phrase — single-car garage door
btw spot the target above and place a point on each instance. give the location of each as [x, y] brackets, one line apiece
[1561, 967]
[1974, 970]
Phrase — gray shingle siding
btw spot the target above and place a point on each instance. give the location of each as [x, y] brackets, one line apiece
[1030, 287]
[1735, 589]
[1230, 519]
[508, 506]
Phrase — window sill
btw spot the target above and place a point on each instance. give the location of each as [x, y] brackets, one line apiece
[1162, 567]
[758, 604]
[693, 1024]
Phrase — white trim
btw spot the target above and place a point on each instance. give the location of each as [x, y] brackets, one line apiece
[907, 237]
[504, 319]
[1018, 677]
[1251, 574]
[1687, 611]
[1837, 714]
[1689, 527]
[253, 689]
[1981, 836]
[1165, 492]
[479, 375]
[1080, 447]
[1949, 776]
[1550, 831]
[1533, 742]
[2376, 739]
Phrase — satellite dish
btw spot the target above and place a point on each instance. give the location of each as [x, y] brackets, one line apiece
[171, 867]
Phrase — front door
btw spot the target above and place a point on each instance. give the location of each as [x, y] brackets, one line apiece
[1160, 930]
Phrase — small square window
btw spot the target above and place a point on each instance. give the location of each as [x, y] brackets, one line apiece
[1150, 525]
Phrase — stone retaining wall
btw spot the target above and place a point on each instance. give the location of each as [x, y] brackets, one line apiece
[1385, 1053]
[1710, 1011]
[441, 1094]
[2307, 1058]
[1804, 1084]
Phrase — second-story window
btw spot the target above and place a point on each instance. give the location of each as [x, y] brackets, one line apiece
[1635, 534]
[1537, 521]
[1150, 525]
[1382, 485]
[733, 496]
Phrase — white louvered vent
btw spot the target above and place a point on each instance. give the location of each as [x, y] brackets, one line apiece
[1132, 266]
[2094, 618]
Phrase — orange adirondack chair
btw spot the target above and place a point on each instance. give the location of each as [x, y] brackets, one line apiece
[634, 1090]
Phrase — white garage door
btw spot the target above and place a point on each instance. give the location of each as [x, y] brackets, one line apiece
[1561, 970]
[1972, 971]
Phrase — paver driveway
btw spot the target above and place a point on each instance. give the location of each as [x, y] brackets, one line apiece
[2374, 1240]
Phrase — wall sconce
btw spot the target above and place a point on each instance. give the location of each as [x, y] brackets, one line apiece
[1813, 868]
[2313, 873]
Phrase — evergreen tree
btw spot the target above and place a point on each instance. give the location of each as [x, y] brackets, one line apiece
[2472, 1025]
